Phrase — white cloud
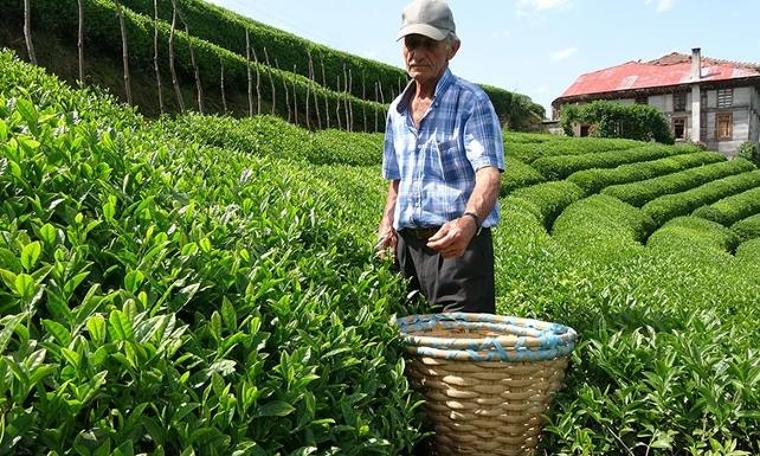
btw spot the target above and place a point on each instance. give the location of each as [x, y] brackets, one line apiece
[662, 5]
[564, 54]
[525, 7]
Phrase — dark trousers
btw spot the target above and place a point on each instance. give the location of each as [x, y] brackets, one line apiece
[463, 284]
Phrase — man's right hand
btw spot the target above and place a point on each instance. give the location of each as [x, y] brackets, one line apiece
[387, 239]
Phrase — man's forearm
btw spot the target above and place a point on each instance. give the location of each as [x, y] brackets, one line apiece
[486, 192]
[390, 204]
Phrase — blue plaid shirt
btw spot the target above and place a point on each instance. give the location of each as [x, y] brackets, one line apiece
[436, 164]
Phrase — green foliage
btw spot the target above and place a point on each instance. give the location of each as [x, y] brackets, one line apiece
[549, 198]
[562, 166]
[559, 145]
[749, 251]
[749, 151]
[688, 233]
[640, 193]
[517, 175]
[595, 220]
[164, 296]
[102, 29]
[338, 146]
[666, 207]
[618, 120]
[219, 35]
[749, 228]
[596, 179]
[168, 290]
[732, 209]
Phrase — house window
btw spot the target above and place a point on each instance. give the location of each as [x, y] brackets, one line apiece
[642, 100]
[679, 127]
[703, 99]
[724, 126]
[679, 101]
[725, 98]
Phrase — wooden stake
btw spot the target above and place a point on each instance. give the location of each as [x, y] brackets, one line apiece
[324, 84]
[248, 72]
[376, 84]
[337, 105]
[284, 86]
[351, 104]
[175, 81]
[345, 97]
[28, 31]
[155, 56]
[224, 98]
[258, 82]
[271, 81]
[196, 72]
[308, 91]
[80, 40]
[124, 50]
[295, 98]
[364, 105]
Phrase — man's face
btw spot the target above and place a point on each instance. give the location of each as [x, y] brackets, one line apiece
[426, 58]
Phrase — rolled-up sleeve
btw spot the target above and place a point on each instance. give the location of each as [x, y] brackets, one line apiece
[390, 164]
[482, 136]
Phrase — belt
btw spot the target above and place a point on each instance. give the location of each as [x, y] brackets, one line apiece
[421, 233]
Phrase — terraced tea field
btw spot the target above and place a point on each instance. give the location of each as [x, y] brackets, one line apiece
[206, 285]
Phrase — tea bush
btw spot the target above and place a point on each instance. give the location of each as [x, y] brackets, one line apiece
[165, 296]
[166, 288]
[560, 167]
[640, 193]
[560, 145]
[549, 198]
[517, 175]
[666, 207]
[732, 209]
[690, 232]
[594, 180]
[748, 228]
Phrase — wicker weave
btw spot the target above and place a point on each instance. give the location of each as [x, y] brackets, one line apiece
[487, 380]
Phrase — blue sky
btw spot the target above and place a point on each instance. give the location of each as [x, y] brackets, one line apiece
[535, 47]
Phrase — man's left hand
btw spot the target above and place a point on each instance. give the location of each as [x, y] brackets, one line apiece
[453, 237]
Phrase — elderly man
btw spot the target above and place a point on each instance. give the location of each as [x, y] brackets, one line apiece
[443, 156]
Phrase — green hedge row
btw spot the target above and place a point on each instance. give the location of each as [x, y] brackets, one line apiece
[685, 233]
[227, 29]
[749, 251]
[560, 145]
[562, 166]
[667, 207]
[549, 199]
[749, 228]
[102, 30]
[732, 209]
[517, 175]
[274, 137]
[640, 193]
[594, 180]
[601, 222]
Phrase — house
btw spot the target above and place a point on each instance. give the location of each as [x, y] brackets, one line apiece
[716, 102]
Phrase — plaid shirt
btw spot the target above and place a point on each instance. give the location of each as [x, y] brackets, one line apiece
[436, 164]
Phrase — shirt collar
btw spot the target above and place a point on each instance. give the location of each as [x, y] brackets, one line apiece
[446, 79]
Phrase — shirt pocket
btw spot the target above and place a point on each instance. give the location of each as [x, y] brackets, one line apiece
[451, 160]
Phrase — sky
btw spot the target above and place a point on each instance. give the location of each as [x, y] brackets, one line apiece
[534, 47]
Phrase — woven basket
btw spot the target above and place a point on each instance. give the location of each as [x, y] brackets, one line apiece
[487, 379]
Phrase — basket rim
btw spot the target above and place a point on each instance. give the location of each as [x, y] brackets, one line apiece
[524, 339]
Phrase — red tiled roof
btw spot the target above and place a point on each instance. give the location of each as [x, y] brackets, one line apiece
[670, 70]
